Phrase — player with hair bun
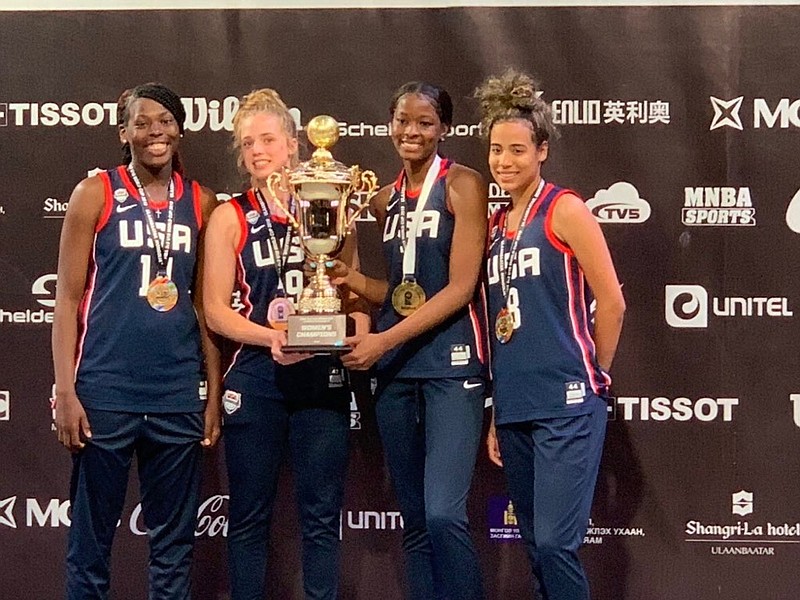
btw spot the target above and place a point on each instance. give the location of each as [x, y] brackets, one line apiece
[127, 336]
[547, 259]
[271, 398]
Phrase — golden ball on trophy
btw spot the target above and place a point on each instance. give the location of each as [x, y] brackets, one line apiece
[323, 131]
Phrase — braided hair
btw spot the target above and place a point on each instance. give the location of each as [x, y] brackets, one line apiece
[166, 98]
[515, 96]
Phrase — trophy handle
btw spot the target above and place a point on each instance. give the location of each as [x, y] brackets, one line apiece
[362, 182]
[274, 181]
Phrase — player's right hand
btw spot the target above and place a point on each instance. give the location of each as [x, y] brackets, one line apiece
[72, 424]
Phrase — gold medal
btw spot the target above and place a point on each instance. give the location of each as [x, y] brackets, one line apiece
[162, 294]
[278, 312]
[504, 325]
[408, 297]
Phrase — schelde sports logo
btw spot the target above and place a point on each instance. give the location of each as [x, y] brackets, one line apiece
[620, 203]
[689, 306]
[43, 291]
[767, 114]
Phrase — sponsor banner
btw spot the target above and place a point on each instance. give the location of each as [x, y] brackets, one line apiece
[690, 306]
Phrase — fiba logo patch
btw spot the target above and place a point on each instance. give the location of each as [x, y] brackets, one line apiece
[5, 406]
[742, 503]
[686, 306]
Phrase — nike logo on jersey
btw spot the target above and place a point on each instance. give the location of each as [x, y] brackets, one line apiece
[122, 209]
[471, 386]
[255, 230]
[391, 205]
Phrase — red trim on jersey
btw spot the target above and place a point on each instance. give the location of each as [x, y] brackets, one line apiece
[197, 197]
[476, 330]
[548, 226]
[242, 227]
[251, 197]
[585, 354]
[444, 167]
[542, 195]
[245, 290]
[122, 170]
[85, 305]
[107, 202]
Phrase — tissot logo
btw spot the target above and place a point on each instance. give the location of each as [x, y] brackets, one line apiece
[201, 113]
[726, 113]
[5, 405]
[620, 203]
[688, 306]
[7, 512]
[661, 408]
[742, 503]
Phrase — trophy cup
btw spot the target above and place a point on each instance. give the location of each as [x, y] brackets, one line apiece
[323, 217]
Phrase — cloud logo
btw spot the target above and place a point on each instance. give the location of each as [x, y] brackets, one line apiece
[620, 203]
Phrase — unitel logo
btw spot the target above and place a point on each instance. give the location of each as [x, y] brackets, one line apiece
[689, 306]
[795, 400]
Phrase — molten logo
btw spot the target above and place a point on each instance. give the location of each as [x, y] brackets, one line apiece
[726, 113]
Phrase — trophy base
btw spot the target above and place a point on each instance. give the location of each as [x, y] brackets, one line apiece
[317, 334]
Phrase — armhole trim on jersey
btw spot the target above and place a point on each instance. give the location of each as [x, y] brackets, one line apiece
[548, 225]
[242, 226]
[107, 202]
[198, 205]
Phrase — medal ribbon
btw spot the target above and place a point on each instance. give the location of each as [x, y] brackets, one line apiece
[408, 239]
[507, 261]
[280, 252]
[161, 250]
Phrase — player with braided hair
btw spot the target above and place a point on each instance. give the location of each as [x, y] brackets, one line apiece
[547, 258]
[127, 350]
[272, 398]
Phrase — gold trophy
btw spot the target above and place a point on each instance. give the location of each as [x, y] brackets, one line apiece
[323, 216]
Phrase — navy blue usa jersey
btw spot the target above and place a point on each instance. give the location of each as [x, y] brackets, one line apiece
[456, 347]
[549, 364]
[131, 357]
[252, 367]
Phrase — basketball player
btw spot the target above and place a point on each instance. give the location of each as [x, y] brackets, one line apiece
[547, 259]
[127, 350]
[429, 345]
[254, 253]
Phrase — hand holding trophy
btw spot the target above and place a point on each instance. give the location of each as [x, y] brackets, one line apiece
[322, 188]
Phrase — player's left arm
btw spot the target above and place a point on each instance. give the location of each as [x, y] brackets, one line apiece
[211, 350]
[355, 306]
[573, 224]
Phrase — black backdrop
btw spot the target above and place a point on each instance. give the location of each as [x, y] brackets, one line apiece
[666, 114]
